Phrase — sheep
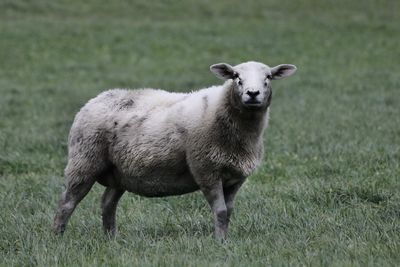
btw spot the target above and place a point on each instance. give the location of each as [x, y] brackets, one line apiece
[156, 143]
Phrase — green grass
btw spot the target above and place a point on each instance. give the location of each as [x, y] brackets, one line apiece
[328, 192]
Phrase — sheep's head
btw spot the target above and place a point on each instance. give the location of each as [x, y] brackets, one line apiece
[252, 81]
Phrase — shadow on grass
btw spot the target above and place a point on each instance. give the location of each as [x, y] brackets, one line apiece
[350, 196]
[168, 231]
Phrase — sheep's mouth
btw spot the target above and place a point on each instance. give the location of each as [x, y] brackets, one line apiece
[253, 104]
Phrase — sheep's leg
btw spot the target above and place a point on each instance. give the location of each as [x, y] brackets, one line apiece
[229, 195]
[215, 197]
[70, 198]
[109, 203]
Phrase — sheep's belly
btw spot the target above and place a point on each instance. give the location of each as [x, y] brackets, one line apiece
[160, 183]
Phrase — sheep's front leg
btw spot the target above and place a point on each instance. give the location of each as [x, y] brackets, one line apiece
[229, 195]
[215, 197]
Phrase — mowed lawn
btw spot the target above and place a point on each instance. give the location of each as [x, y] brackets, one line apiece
[328, 193]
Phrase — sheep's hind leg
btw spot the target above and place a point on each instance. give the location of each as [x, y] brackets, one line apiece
[70, 198]
[215, 197]
[109, 202]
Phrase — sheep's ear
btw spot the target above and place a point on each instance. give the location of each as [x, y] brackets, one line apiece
[282, 71]
[223, 71]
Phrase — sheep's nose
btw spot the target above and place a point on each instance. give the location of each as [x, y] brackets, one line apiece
[253, 94]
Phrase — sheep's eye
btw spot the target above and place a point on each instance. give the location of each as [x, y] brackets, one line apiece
[269, 77]
[240, 82]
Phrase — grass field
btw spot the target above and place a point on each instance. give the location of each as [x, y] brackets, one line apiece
[328, 193]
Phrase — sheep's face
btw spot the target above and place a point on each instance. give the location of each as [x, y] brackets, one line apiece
[252, 82]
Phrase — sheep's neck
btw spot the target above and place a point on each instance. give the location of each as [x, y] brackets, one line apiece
[245, 123]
